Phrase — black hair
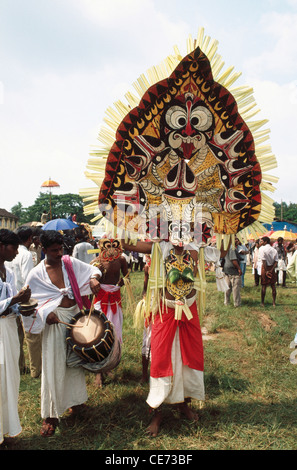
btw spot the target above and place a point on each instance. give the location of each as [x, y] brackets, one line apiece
[50, 237]
[266, 239]
[69, 243]
[81, 233]
[37, 231]
[7, 237]
[24, 233]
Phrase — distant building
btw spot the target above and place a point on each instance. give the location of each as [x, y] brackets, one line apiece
[8, 220]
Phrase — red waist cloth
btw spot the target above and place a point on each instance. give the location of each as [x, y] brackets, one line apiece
[162, 338]
[109, 298]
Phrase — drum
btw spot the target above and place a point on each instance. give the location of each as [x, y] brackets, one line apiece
[90, 337]
[29, 308]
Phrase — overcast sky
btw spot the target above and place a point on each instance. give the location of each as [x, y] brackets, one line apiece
[63, 62]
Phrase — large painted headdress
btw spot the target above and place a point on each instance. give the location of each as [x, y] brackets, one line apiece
[185, 158]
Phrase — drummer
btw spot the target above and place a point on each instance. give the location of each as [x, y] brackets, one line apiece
[112, 264]
[62, 387]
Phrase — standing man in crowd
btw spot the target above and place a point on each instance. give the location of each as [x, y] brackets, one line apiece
[80, 250]
[62, 387]
[21, 267]
[269, 258]
[35, 247]
[242, 252]
[233, 275]
[282, 262]
[9, 341]
[255, 262]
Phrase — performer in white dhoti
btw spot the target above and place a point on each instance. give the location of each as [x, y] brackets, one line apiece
[9, 340]
[62, 387]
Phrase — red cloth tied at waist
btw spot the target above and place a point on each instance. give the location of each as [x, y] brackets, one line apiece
[162, 337]
[112, 299]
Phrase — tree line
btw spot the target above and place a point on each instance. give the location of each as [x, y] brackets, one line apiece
[284, 211]
[61, 207]
[65, 204]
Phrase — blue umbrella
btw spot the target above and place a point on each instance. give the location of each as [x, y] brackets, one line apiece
[59, 224]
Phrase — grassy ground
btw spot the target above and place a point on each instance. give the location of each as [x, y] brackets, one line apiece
[250, 385]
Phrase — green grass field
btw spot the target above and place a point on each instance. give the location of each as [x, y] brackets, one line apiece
[251, 392]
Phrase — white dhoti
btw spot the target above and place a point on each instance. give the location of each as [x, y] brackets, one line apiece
[281, 268]
[9, 377]
[62, 387]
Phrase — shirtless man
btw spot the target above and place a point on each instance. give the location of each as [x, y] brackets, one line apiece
[170, 383]
[62, 387]
[112, 264]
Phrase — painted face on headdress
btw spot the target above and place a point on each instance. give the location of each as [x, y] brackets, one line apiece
[180, 234]
[183, 156]
[109, 249]
[187, 125]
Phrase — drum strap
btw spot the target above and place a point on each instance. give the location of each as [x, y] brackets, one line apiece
[81, 301]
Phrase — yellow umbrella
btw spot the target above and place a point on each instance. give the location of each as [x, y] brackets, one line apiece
[285, 234]
[252, 237]
[50, 184]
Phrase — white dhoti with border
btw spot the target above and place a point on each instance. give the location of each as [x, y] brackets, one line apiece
[185, 382]
[62, 387]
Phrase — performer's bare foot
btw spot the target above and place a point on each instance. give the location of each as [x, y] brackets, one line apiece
[153, 429]
[188, 412]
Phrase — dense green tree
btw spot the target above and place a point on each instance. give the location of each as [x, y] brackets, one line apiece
[286, 211]
[18, 210]
[62, 206]
[65, 204]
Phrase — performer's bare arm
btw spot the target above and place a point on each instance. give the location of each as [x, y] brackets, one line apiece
[124, 270]
[124, 266]
[95, 285]
[140, 247]
[224, 251]
[146, 278]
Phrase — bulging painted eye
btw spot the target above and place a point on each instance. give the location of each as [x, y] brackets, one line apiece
[201, 118]
[176, 117]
